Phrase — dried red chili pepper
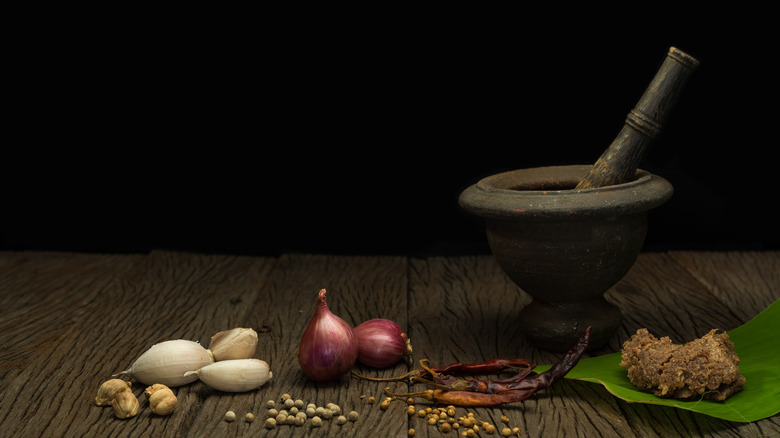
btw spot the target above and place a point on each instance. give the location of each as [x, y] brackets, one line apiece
[468, 398]
[454, 383]
[472, 392]
[488, 367]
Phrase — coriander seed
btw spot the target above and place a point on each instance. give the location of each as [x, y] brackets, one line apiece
[270, 423]
[230, 416]
[353, 416]
[316, 421]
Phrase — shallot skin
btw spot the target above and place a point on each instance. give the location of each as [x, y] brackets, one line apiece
[381, 343]
[328, 348]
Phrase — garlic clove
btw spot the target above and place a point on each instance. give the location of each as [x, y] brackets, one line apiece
[125, 405]
[162, 400]
[168, 361]
[109, 389]
[237, 343]
[234, 375]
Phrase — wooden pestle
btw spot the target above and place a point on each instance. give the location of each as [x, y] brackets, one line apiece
[618, 164]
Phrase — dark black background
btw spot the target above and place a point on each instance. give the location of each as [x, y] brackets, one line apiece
[359, 138]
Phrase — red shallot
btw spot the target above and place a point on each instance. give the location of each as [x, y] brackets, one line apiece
[381, 343]
[328, 348]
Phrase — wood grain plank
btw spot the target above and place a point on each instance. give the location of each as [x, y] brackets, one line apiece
[69, 321]
[747, 282]
[119, 313]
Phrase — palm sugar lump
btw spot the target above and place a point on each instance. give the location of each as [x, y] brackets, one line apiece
[707, 367]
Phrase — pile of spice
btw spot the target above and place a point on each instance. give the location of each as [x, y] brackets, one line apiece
[295, 412]
[446, 419]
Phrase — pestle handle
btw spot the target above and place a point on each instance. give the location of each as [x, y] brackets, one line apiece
[618, 164]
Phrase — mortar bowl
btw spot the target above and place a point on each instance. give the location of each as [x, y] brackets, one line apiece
[563, 246]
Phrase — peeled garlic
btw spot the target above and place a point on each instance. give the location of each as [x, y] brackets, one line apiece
[161, 399]
[167, 363]
[235, 375]
[237, 343]
[109, 389]
[125, 405]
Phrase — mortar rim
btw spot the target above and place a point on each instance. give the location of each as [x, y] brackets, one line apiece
[498, 195]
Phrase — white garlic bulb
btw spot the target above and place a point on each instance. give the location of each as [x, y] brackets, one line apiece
[234, 375]
[167, 363]
[237, 343]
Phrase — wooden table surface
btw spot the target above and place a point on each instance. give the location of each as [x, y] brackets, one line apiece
[68, 321]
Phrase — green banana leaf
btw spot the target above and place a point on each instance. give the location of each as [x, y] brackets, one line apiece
[757, 343]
